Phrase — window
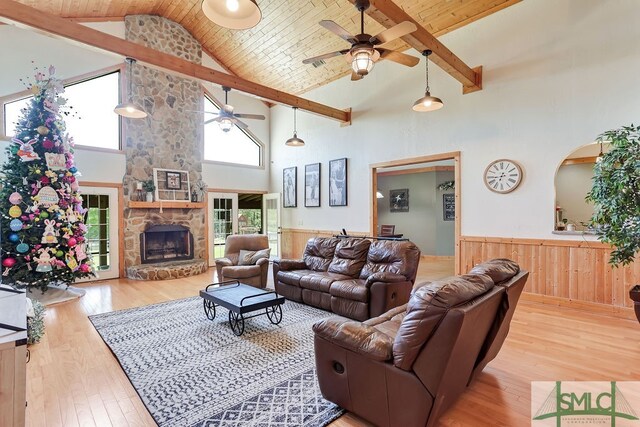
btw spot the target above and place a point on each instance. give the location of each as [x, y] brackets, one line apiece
[235, 146]
[97, 220]
[93, 122]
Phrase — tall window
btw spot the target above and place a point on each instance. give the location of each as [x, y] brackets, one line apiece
[92, 122]
[235, 146]
[97, 220]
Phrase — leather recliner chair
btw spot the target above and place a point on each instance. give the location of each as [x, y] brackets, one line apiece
[251, 274]
[409, 365]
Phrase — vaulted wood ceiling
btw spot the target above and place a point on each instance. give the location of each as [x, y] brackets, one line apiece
[272, 52]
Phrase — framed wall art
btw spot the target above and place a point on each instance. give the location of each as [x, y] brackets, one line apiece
[338, 182]
[172, 185]
[312, 185]
[399, 200]
[290, 187]
[448, 207]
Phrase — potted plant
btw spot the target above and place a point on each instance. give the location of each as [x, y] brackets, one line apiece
[149, 187]
[616, 198]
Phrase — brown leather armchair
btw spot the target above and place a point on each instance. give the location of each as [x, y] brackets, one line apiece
[409, 365]
[254, 272]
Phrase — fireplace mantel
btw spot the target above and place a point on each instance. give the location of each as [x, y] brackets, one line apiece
[166, 205]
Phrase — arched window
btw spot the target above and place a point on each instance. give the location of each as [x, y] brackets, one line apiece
[236, 146]
[92, 122]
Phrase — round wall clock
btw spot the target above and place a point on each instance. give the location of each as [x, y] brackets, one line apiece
[503, 176]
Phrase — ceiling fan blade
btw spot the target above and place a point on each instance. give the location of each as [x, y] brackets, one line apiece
[338, 31]
[400, 58]
[250, 116]
[399, 30]
[325, 56]
[240, 124]
[355, 76]
[215, 119]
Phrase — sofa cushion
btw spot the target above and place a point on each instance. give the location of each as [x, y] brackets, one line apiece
[319, 252]
[320, 281]
[393, 257]
[241, 271]
[499, 269]
[389, 322]
[351, 289]
[292, 277]
[426, 308]
[350, 256]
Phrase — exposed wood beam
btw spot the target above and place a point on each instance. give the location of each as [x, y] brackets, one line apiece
[22, 15]
[388, 14]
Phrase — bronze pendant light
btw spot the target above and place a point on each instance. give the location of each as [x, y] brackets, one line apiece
[427, 102]
[129, 109]
[232, 14]
[294, 141]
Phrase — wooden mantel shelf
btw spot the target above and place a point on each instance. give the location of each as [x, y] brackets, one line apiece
[166, 205]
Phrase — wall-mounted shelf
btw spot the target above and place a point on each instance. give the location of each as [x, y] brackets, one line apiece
[166, 205]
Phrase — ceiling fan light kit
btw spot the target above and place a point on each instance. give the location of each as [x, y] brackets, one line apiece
[294, 141]
[226, 118]
[129, 109]
[427, 102]
[232, 14]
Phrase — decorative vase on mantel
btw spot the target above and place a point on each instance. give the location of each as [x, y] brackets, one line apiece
[634, 294]
[149, 196]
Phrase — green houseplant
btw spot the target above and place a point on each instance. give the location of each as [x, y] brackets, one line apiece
[149, 187]
[616, 198]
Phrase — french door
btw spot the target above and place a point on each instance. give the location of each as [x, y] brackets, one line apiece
[223, 221]
[271, 226]
[102, 231]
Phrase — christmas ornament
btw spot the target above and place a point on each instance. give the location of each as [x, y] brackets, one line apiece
[71, 242]
[44, 214]
[15, 198]
[71, 262]
[49, 235]
[81, 253]
[59, 254]
[8, 262]
[15, 225]
[73, 169]
[42, 130]
[13, 237]
[55, 161]
[15, 211]
[47, 196]
[85, 268]
[47, 144]
[22, 248]
[43, 260]
[26, 152]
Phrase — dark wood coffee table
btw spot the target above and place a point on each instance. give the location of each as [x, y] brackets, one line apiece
[241, 299]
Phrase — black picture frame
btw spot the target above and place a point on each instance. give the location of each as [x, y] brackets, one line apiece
[338, 185]
[290, 187]
[399, 200]
[312, 188]
[448, 207]
[174, 180]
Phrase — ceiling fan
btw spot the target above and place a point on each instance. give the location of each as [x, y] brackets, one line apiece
[365, 50]
[226, 118]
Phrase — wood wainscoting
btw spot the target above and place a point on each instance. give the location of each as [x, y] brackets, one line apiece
[294, 240]
[562, 272]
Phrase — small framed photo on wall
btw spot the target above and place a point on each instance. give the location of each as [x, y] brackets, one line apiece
[312, 185]
[290, 187]
[338, 182]
[399, 200]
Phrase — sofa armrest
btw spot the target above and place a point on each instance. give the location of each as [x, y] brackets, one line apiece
[262, 261]
[384, 276]
[290, 264]
[224, 262]
[357, 337]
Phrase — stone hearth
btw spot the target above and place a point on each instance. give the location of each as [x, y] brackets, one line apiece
[167, 270]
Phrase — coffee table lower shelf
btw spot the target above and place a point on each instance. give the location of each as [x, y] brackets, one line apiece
[241, 299]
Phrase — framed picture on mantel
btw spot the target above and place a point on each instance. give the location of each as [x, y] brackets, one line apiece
[172, 185]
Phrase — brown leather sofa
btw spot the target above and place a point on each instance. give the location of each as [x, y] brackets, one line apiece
[253, 273]
[406, 367]
[353, 277]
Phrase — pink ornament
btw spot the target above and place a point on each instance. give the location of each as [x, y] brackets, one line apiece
[72, 242]
[47, 144]
[85, 268]
[8, 262]
[15, 198]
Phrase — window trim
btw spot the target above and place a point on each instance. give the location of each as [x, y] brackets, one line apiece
[119, 68]
[261, 146]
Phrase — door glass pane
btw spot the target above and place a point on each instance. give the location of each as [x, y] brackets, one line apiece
[97, 221]
[271, 213]
[222, 224]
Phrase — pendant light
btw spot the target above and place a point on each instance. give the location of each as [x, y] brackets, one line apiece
[294, 141]
[129, 109]
[427, 102]
[232, 14]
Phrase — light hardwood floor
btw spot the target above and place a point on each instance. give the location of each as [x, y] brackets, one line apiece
[73, 379]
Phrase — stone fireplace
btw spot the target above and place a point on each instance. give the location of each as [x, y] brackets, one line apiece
[167, 242]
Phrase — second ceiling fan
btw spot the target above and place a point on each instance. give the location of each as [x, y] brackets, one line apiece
[365, 49]
[226, 118]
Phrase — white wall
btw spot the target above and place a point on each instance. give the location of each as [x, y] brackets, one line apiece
[72, 60]
[556, 74]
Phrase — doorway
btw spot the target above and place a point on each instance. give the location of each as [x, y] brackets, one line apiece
[420, 199]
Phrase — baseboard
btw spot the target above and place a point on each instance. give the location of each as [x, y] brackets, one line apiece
[591, 307]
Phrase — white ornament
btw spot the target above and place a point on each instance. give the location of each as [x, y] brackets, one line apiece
[55, 161]
[49, 235]
[47, 196]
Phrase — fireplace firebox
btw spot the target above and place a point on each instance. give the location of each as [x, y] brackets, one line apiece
[166, 242]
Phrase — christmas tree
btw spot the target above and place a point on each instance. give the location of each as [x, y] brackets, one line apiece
[42, 228]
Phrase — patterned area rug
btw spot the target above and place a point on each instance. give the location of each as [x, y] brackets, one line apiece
[190, 371]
